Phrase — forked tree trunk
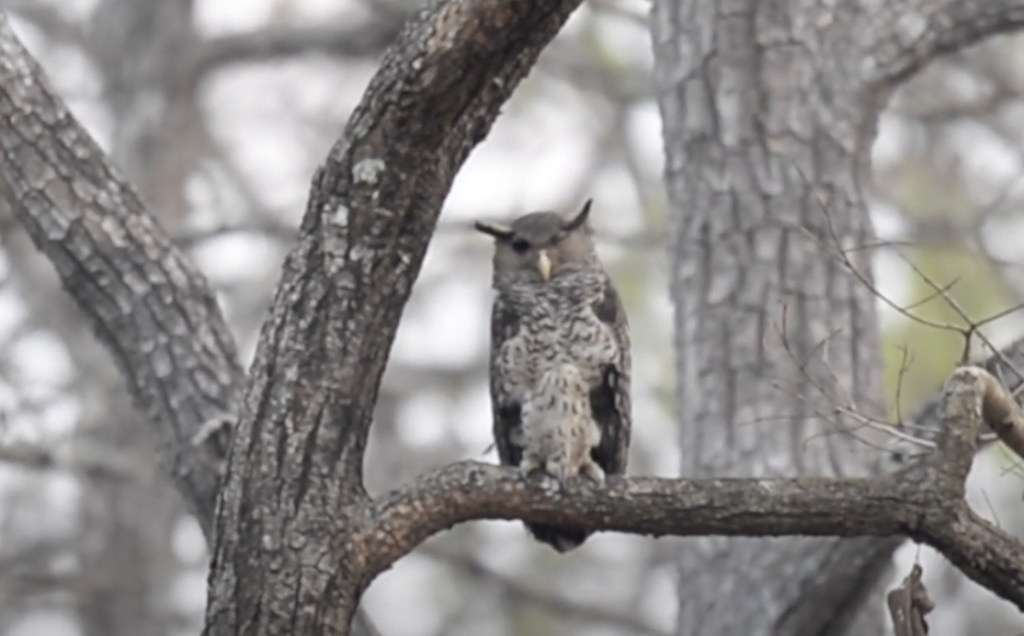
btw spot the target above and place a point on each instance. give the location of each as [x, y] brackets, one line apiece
[769, 107]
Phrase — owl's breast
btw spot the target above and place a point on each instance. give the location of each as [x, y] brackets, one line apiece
[560, 333]
[588, 343]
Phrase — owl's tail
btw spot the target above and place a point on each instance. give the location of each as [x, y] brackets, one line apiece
[561, 538]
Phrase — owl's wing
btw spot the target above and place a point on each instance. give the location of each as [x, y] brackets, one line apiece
[610, 401]
[507, 411]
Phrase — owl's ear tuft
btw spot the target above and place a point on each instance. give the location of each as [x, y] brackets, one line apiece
[497, 230]
[580, 219]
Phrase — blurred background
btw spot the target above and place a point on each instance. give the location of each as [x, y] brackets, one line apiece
[219, 112]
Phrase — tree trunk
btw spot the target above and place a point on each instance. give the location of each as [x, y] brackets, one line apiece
[773, 102]
[770, 112]
[127, 524]
[766, 142]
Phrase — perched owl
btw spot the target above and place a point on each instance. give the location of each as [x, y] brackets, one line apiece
[560, 359]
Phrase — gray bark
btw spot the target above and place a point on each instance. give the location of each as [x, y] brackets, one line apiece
[293, 497]
[151, 308]
[123, 544]
[297, 537]
[127, 524]
[770, 111]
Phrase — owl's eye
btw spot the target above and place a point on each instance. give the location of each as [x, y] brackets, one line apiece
[520, 245]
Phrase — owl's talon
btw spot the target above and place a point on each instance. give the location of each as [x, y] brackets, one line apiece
[529, 466]
[537, 474]
[593, 473]
[547, 482]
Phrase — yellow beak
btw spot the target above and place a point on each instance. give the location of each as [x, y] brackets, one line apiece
[544, 265]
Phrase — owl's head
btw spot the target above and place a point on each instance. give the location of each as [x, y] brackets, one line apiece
[541, 246]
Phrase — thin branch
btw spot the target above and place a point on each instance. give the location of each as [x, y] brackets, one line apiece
[911, 33]
[92, 462]
[364, 38]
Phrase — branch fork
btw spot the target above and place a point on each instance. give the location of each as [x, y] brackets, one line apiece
[292, 519]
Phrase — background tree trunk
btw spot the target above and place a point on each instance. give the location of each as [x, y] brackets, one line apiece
[766, 139]
[128, 525]
[773, 118]
[770, 111]
[125, 525]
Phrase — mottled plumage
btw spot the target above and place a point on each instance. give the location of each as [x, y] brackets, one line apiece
[560, 359]
[559, 430]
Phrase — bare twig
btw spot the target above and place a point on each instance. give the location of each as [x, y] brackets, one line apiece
[95, 463]
[363, 38]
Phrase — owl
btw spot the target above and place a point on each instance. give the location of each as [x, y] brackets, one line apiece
[560, 357]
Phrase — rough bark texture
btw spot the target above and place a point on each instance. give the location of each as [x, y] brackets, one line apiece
[924, 502]
[127, 525]
[286, 558]
[298, 538]
[151, 308]
[769, 111]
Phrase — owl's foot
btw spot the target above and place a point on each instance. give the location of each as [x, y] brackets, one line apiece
[559, 470]
[536, 470]
[548, 482]
[592, 472]
[531, 467]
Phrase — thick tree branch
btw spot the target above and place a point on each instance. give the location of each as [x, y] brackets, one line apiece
[910, 33]
[296, 462]
[925, 503]
[649, 506]
[151, 307]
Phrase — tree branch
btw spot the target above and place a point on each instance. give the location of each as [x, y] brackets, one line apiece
[296, 460]
[1006, 369]
[364, 38]
[152, 309]
[901, 504]
[812, 506]
[911, 33]
[925, 503]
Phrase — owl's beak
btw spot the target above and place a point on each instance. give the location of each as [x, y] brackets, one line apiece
[544, 265]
